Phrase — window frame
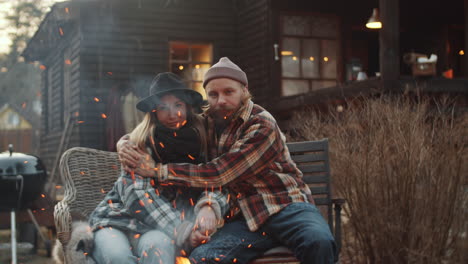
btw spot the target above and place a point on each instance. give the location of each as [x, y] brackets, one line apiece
[301, 39]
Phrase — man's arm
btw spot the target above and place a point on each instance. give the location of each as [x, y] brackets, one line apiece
[249, 156]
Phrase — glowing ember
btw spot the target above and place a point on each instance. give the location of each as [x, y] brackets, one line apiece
[179, 114]
[67, 10]
[191, 157]
[42, 67]
[109, 73]
[136, 236]
[68, 62]
[161, 144]
[58, 186]
[61, 31]
[103, 116]
[80, 122]
[43, 195]
[25, 162]
[184, 122]
[102, 191]
[23, 105]
[96, 99]
[182, 260]
[175, 134]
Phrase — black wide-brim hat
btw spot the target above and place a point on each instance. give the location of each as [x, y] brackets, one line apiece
[168, 83]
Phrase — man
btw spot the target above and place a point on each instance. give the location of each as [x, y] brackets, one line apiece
[251, 159]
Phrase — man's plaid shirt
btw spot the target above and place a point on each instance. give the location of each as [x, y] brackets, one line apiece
[251, 159]
[135, 204]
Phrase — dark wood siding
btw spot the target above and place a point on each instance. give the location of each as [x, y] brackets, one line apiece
[256, 51]
[125, 43]
[53, 120]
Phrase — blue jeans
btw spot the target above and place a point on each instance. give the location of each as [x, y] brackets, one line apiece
[299, 226]
[114, 246]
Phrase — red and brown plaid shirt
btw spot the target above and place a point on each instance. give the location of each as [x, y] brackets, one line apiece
[250, 159]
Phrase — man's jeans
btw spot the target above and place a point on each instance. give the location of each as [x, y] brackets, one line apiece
[299, 226]
[112, 246]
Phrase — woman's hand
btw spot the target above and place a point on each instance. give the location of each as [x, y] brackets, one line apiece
[129, 154]
[197, 238]
[206, 221]
[146, 166]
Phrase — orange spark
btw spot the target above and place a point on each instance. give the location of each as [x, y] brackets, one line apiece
[161, 144]
[173, 172]
[175, 134]
[103, 116]
[102, 190]
[80, 122]
[217, 259]
[145, 254]
[43, 195]
[25, 162]
[179, 114]
[58, 186]
[82, 172]
[23, 105]
[263, 234]
[67, 10]
[182, 215]
[77, 114]
[191, 157]
[61, 31]
[234, 260]
[68, 62]
[136, 236]
[183, 253]
[137, 211]
[147, 195]
[184, 122]
[110, 73]
[141, 203]
[85, 253]
[191, 202]
[249, 246]
[150, 201]
[156, 191]
[178, 125]
[42, 209]
[96, 99]
[42, 67]
[225, 117]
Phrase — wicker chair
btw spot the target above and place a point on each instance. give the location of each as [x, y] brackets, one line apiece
[87, 175]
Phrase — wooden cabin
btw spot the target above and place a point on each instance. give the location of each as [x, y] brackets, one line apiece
[98, 56]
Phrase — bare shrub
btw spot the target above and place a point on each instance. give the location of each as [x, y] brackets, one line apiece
[401, 165]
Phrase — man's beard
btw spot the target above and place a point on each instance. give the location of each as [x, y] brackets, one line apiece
[224, 115]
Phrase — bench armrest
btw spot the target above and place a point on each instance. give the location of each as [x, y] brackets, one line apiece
[337, 206]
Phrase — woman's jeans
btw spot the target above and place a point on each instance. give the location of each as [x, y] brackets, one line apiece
[299, 226]
[112, 246]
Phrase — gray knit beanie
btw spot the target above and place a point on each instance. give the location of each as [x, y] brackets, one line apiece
[225, 68]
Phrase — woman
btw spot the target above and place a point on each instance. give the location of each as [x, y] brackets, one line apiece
[140, 222]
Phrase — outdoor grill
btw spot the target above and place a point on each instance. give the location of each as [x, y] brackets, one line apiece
[22, 178]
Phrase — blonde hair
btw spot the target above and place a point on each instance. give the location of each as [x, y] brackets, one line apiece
[144, 130]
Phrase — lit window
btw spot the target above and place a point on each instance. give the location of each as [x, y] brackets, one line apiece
[190, 61]
[309, 52]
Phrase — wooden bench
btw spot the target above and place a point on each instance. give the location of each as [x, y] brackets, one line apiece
[88, 174]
